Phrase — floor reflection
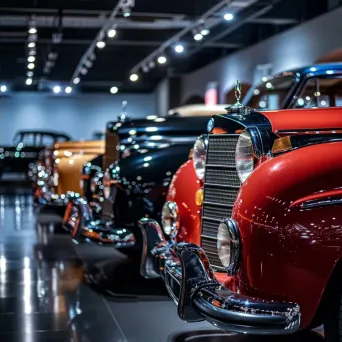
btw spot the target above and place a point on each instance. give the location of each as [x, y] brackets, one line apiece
[45, 293]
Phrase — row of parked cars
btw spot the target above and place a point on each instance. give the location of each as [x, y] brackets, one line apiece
[237, 208]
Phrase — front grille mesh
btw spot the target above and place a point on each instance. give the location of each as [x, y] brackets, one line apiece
[221, 186]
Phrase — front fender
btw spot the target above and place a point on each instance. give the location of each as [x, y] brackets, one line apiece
[144, 179]
[289, 253]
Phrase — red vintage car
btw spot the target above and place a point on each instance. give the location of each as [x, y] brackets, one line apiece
[267, 256]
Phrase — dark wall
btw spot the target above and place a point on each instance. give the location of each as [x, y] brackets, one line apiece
[78, 115]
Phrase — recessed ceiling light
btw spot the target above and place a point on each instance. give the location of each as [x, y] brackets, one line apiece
[198, 36]
[56, 89]
[68, 90]
[179, 48]
[31, 59]
[32, 30]
[111, 33]
[162, 60]
[3, 88]
[29, 81]
[100, 44]
[114, 90]
[228, 16]
[205, 31]
[76, 80]
[31, 45]
[29, 74]
[134, 77]
[30, 66]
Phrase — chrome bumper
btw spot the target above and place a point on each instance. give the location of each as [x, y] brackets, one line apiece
[94, 231]
[190, 282]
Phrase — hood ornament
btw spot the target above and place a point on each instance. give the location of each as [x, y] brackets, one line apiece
[238, 108]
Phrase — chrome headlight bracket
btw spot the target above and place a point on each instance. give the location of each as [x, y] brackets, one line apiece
[229, 245]
[170, 219]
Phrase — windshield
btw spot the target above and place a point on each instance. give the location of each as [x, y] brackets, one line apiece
[270, 94]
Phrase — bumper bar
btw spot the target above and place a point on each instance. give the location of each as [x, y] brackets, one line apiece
[190, 282]
[79, 220]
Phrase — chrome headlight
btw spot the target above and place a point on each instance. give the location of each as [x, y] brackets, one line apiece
[244, 156]
[170, 218]
[93, 185]
[106, 184]
[228, 245]
[199, 156]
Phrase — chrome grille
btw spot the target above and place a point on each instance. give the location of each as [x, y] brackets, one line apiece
[221, 186]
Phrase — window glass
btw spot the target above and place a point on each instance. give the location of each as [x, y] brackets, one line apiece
[46, 140]
[270, 94]
[28, 139]
[321, 92]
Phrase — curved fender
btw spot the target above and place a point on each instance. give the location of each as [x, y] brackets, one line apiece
[289, 252]
[183, 188]
[144, 179]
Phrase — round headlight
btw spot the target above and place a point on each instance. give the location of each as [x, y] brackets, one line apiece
[199, 156]
[106, 184]
[244, 156]
[228, 245]
[170, 218]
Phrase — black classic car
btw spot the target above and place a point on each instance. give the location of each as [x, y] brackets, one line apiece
[148, 151]
[25, 149]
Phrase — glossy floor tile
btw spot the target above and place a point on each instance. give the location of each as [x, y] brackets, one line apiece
[52, 289]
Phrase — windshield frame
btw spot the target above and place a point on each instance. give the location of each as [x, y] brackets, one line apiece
[287, 102]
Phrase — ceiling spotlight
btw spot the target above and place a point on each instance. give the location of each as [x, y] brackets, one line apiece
[228, 16]
[162, 60]
[32, 53]
[145, 68]
[88, 64]
[30, 66]
[92, 56]
[198, 36]
[111, 33]
[76, 80]
[205, 31]
[134, 77]
[114, 90]
[3, 88]
[68, 90]
[151, 65]
[31, 45]
[29, 81]
[179, 48]
[84, 71]
[31, 59]
[32, 30]
[101, 44]
[126, 12]
[56, 89]
[29, 74]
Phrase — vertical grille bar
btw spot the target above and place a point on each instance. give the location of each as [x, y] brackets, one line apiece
[221, 185]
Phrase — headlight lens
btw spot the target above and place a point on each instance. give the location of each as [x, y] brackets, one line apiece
[244, 156]
[228, 245]
[199, 156]
[106, 184]
[170, 218]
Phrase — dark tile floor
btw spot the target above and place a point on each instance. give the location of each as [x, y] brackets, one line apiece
[53, 290]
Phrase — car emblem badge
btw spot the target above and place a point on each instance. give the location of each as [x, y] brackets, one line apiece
[210, 125]
[238, 108]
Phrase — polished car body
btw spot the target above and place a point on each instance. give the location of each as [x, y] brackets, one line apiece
[25, 149]
[186, 188]
[268, 259]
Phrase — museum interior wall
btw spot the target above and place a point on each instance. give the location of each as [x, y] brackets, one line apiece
[78, 115]
[297, 47]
